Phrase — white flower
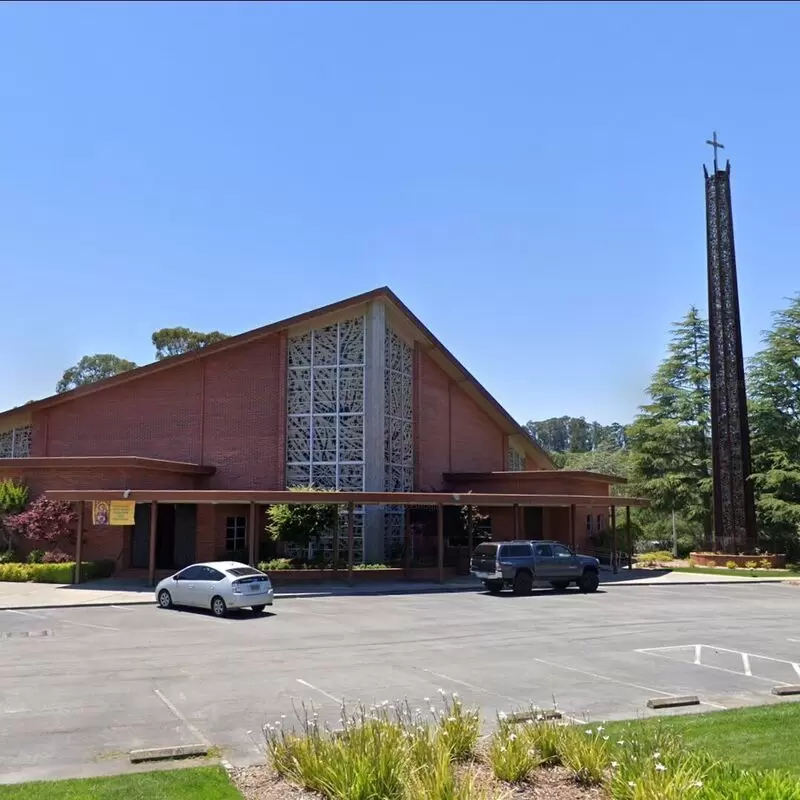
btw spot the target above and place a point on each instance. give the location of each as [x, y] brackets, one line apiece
[656, 756]
[698, 784]
[432, 710]
[455, 695]
[631, 784]
[385, 703]
[600, 728]
[660, 768]
[502, 715]
[426, 699]
[512, 737]
[621, 741]
[614, 764]
[451, 719]
[588, 731]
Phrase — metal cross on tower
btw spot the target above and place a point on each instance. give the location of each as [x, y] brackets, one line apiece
[716, 145]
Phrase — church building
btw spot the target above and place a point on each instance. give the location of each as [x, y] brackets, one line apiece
[357, 397]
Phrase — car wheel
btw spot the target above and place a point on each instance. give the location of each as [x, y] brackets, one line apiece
[257, 609]
[590, 580]
[164, 599]
[493, 587]
[218, 607]
[523, 583]
[559, 586]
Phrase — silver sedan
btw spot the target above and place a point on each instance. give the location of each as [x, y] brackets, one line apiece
[218, 585]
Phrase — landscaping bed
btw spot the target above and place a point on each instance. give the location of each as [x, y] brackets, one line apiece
[284, 575]
[724, 559]
[392, 752]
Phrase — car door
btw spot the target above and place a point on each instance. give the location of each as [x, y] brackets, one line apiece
[205, 587]
[565, 564]
[545, 567]
[181, 587]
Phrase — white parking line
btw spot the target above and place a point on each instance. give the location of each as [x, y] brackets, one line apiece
[338, 700]
[622, 683]
[471, 686]
[24, 613]
[659, 653]
[196, 731]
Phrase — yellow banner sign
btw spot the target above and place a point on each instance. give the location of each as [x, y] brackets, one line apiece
[113, 512]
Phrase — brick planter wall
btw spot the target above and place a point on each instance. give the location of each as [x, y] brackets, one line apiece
[722, 559]
[295, 577]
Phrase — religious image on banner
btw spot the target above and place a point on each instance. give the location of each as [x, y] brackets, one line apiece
[100, 512]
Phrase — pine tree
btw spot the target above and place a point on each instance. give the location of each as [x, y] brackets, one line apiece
[670, 439]
[775, 430]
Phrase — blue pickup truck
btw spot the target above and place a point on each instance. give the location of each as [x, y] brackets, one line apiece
[518, 565]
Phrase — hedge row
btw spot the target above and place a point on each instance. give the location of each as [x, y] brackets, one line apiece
[55, 573]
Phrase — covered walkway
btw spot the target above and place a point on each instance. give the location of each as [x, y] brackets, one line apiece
[438, 500]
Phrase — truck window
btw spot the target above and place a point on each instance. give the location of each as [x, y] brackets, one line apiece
[543, 551]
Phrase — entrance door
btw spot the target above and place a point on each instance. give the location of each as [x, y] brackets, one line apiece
[185, 534]
[165, 537]
[140, 538]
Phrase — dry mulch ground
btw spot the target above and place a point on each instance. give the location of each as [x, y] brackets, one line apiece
[261, 783]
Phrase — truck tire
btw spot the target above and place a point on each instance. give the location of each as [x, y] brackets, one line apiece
[493, 587]
[559, 586]
[589, 581]
[523, 583]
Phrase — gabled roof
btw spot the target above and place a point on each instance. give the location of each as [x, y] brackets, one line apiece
[433, 347]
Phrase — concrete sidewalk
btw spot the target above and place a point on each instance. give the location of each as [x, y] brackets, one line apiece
[111, 591]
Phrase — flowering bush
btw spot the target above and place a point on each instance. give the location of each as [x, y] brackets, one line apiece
[751, 564]
[55, 557]
[765, 563]
[731, 564]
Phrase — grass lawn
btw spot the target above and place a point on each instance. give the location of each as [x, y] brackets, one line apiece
[199, 783]
[761, 738]
[740, 573]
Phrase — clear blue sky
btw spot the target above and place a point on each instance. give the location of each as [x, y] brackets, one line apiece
[528, 178]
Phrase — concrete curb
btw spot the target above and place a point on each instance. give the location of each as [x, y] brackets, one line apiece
[722, 582]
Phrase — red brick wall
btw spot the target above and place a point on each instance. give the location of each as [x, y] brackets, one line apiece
[223, 410]
[243, 419]
[453, 434]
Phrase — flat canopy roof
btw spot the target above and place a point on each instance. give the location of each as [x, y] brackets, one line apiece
[106, 462]
[343, 498]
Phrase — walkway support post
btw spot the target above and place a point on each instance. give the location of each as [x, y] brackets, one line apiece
[351, 541]
[572, 516]
[470, 534]
[629, 535]
[151, 566]
[79, 541]
[614, 554]
[251, 527]
[440, 540]
[336, 543]
[407, 545]
[516, 522]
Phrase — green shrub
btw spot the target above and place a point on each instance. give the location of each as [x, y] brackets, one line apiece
[55, 573]
[9, 556]
[654, 558]
[35, 557]
[731, 564]
[511, 755]
[766, 563]
[371, 566]
[13, 497]
[95, 570]
[585, 752]
[276, 564]
[751, 564]
[458, 727]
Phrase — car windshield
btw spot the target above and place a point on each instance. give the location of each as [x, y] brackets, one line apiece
[485, 550]
[237, 572]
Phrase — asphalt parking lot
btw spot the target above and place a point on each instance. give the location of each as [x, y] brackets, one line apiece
[81, 687]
